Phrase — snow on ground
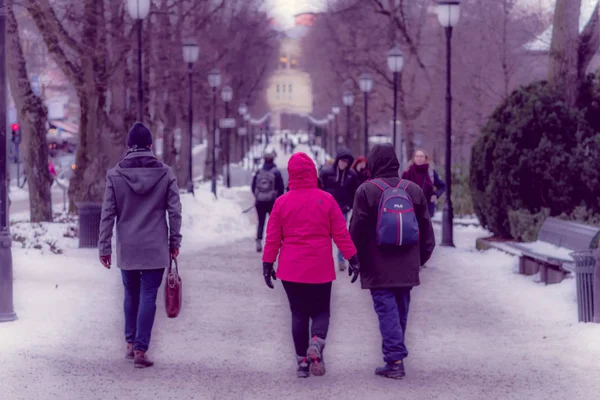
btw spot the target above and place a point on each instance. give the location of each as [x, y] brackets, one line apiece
[199, 148]
[19, 194]
[476, 330]
[548, 249]
[466, 220]
[208, 221]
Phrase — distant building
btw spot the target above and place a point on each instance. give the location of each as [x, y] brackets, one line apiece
[289, 91]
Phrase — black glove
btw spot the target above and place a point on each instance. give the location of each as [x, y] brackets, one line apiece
[269, 273]
[354, 268]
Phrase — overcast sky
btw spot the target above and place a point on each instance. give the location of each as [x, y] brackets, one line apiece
[284, 10]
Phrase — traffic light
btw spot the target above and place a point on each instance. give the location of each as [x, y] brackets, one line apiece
[16, 135]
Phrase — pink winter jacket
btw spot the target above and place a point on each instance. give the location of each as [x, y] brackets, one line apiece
[301, 226]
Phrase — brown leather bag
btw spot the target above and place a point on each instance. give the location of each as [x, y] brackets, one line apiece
[173, 290]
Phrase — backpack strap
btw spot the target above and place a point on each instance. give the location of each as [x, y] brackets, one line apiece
[406, 186]
[379, 183]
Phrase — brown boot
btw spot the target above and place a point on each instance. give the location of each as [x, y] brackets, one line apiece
[129, 353]
[140, 360]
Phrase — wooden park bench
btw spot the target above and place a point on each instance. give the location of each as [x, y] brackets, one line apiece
[554, 264]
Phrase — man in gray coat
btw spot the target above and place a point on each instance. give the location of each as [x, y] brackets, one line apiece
[140, 192]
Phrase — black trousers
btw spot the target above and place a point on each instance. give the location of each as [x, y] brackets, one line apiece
[262, 209]
[308, 302]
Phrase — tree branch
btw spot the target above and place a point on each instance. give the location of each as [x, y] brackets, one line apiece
[40, 18]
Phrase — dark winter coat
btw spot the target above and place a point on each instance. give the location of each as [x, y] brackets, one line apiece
[438, 186]
[396, 266]
[419, 174]
[279, 186]
[140, 191]
[341, 185]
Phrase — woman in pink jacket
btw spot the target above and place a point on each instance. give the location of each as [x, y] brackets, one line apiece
[300, 229]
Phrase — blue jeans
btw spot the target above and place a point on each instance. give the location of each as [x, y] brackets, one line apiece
[341, 258]
[391, 306]
[141, 288]
[432, 209]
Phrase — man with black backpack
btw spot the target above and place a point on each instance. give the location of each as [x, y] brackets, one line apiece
[392, 232]
[267, 186]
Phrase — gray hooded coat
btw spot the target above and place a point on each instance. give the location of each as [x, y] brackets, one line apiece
[140, 192]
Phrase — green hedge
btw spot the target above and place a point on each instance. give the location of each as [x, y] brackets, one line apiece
[535, 152]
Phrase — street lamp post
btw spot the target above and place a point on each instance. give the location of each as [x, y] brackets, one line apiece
[190, 56]
[214, 80]
[336, 111]
[332, 141]
[7, 312]
[448, 12]
[395, 59]
[249, 140]
[227, 95]
[138, 10]
[242, 110]
[348, 99]
[366, 85]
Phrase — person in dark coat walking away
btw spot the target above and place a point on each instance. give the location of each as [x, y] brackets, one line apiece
[140, 192]
[362, 172]
[300, 229]
[389, 272]
[421, 172]
[341, 182]
[267, 186]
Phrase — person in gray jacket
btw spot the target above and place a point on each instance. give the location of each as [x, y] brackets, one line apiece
[140, 192]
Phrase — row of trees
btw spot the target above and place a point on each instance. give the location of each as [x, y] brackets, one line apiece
[92, 42]
[354, 36]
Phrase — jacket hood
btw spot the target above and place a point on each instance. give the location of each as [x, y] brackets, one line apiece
[142, 180]
[302, 172]
[269, 165]
[344, 153]
[358, 160]
[383, 162]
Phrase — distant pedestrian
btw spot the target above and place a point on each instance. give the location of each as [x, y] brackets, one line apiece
[341, 182]
[300, 230]
[421, 172]
[392, 245]
[360, 167]
[267, 186]
[51, 168]
[140, 192]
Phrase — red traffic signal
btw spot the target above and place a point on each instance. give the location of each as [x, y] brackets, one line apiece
[15, 127]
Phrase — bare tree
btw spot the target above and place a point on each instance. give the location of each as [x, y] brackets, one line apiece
[571, 52]
[32, 118]
[354, 36]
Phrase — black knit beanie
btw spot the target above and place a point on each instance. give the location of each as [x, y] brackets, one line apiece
[139, 136]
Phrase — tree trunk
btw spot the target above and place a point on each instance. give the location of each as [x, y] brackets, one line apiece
[589, 42]
[209, 143]
[169, 150]
[563, 66]
[32, 120]
[409, 141]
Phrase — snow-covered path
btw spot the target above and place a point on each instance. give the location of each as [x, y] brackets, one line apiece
[476, 331]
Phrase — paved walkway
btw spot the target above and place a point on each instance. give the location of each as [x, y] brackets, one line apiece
[232, 341]
[466, 339]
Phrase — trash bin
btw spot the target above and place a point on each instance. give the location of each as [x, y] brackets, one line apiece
[89, 224]
[585, 264]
